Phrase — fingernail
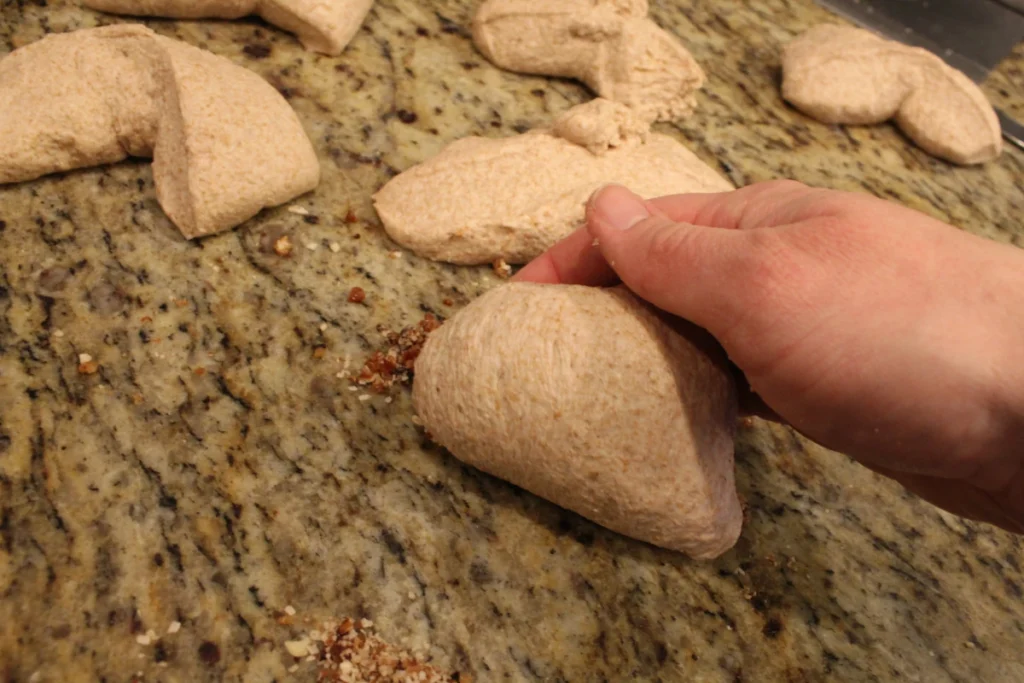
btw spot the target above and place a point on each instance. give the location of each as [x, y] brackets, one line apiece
[617, 207]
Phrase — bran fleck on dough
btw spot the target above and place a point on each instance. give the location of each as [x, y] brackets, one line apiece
[841, 74]
[484, 199]
[224, 143]
[585, 397]
[610, 45]
[324, 26]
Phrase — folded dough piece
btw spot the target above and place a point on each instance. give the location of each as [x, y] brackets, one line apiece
[840, 74]
[224, 143]
[79, 99]
[324, 26]
[585, 397]
[610, 45]
[482, 199]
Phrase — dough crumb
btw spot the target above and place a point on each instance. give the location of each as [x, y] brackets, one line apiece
[502, 269]
[283, 246]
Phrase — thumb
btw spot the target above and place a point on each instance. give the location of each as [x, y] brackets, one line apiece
[684, 269]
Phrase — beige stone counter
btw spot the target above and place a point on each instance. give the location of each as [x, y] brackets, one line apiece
[215, 469]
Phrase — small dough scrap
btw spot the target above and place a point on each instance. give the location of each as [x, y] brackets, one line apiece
[483, 199]
[610, 45]
[840, 74]
[585, 397]
[224, 143]
[602, 125]
[324, 26]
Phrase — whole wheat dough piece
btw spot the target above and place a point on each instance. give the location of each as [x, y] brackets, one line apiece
[585, 397]
[610, 45]
[483, 199]
[840, 74]
[224, 143]
[324, 26]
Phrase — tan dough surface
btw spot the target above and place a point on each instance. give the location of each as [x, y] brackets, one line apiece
[840, 74]
[325, 26]
[584, 397]
[482, 199]
[610, 45]
[224, 143]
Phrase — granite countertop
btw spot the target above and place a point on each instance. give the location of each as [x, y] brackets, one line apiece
[215, 470]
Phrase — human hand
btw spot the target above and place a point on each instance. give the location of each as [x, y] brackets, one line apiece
[872, 329]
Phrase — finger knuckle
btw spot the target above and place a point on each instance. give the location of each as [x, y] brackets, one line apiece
[782, 184]
[666, 257]
[770, 274]
[669, 246]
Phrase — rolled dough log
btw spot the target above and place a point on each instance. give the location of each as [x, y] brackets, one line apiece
[224, 143]
[483, 199]
[324, 26]
[841, 74]
[586, 398]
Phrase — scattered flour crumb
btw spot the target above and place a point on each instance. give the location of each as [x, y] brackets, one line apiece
[297, 648]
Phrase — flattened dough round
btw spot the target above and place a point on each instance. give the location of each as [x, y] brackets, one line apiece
[483, 199]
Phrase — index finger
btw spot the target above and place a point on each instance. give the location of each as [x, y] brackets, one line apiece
[755, 206]
[576, 260]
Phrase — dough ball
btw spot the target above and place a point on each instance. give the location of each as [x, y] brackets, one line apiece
[585, 397]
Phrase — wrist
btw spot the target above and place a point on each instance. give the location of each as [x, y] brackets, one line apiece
[1010, 359]
[1012, 403]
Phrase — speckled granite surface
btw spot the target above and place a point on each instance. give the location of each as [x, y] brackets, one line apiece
[214, 470]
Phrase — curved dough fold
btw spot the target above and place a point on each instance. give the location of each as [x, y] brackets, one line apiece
[224, 143]
[610, 45]
[840, 74]
[324, 26]
[482, 199]
[585, 397]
